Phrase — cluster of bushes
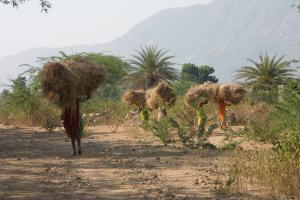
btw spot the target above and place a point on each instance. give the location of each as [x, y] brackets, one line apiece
[22, 106]
[22, 103]
[275, 171]
[270, 114]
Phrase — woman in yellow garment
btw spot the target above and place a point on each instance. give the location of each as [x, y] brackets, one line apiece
[144, 115]
[200, 112]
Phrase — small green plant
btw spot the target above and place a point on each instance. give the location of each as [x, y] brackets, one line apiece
[230, 146]
[203, 134]
[276, 170]
[233, 177]
[161, 129]
[50, 116]
[85, 127]
[180, 131]
[288, 147]
[50, 124]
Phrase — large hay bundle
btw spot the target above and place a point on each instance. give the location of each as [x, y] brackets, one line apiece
[232, 93]
[58, 84]
[198, 93]
[135, 97]
[88, 74]
[162, 94]
[212, 91]
[63, 82]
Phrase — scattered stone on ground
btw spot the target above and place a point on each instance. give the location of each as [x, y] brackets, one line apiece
[36, 165]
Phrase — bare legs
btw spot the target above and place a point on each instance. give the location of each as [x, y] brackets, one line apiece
[74, 147]
[79, 146]
[223, 124]
[222, 110]
[161, 113]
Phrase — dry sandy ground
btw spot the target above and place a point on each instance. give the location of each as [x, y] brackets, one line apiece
[116, 164]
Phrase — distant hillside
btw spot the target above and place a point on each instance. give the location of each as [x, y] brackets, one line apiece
[222, 34]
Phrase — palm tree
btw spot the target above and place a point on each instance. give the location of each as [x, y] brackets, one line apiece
[268, 71]
[265, 76]
[149, 67]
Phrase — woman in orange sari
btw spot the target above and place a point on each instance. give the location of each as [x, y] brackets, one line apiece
[222, 113]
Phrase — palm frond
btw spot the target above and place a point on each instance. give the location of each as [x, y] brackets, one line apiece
[268, 70]
[149, 66]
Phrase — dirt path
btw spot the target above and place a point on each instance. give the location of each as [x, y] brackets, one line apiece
[122, 164]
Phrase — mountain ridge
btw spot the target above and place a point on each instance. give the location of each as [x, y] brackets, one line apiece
[223, 34]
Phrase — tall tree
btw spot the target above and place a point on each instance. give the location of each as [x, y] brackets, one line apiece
[45, 5]
[191, 74]
[149, 67]
[267, 71]
[264, 77]
[198, 74]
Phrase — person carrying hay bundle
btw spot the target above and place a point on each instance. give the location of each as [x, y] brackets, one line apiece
[200, 112]
[201, 117]
[196, 94]
[88, 74]
[222, 94]
[161, 97]
[222, 113]
[137, 98]
[229, 94]
[64, 84]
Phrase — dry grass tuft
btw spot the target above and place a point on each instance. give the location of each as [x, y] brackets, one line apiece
[261, 172]
[232, 93]
[162, 94]
[62, 83]
[89, 75]
[59, 84]
[135, 97]
[214, 92]
[196, 94]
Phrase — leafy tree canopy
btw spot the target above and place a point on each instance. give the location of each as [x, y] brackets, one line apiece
[198, 74]
[191, 74]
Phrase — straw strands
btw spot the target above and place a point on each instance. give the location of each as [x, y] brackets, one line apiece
[135, 97]
[198, 93]
[230, 92]
[89, 75]
[63, 83]
[162, 94]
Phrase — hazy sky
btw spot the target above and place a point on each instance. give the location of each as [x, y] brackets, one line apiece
[81, 22]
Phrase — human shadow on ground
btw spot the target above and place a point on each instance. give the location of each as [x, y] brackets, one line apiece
[39, 165]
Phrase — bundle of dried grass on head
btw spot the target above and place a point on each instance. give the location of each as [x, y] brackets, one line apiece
[59, 84]
[162, 94]
[198, 93]
[135, 97]
[232, 93]
[89, 75]
[63, 83]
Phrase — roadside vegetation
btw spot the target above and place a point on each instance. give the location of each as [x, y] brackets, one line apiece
[269, 114]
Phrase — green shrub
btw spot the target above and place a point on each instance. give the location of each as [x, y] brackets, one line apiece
[275, 171]
[265, 94]
[160, 129]
[114, 111]
[50, 124]
[182, 121]
[50, 116]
